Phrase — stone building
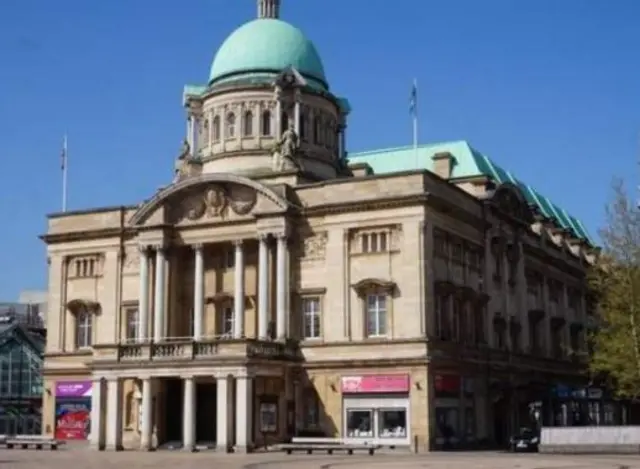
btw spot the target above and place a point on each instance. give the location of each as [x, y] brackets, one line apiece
[275, 287]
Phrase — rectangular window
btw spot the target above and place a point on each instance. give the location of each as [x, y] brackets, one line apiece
[83, 329]
[133, 324]
[311, 410]
[376, 315]
[359, 423]
[227, 321]
[392, 423]
[311, 318]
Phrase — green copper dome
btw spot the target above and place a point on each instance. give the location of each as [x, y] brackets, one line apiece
[266, 46]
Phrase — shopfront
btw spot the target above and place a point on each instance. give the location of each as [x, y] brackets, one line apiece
[455, 409]
[73, 410]
[376, 407]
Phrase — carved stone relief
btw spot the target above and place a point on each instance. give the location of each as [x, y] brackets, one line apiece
[214, 201]
[242, 199]
[131, 261]
[314, 247]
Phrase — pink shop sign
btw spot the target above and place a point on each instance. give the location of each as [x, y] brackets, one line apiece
[375, 384]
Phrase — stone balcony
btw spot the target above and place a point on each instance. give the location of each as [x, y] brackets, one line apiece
[189, 351]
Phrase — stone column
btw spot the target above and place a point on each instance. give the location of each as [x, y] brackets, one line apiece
[296, 113]
[194, 134]
[97, 411]
[281, 285]
[263, 287]
[222, 414]
[244, 414]
[188, 415]
[114, 415]
[143, 295]
[238, 295]
[158, 317]
[146, 416]
[278, 96]
[198, 292]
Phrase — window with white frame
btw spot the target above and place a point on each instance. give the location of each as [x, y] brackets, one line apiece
[132, 318]
[84, 326]
[227, 321]
[311, 318]
[376, 315]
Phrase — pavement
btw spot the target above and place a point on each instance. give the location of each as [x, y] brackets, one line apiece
[87, 459]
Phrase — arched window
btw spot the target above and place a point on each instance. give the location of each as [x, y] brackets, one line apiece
[265, 124]
[84, 327]
[204, 132]
[231, 125]
[248, 124]
[284, 121]
[216, 128]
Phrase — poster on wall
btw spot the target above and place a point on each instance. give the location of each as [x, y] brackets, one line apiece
[73, 410]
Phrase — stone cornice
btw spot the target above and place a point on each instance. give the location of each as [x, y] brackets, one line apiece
[83, 235]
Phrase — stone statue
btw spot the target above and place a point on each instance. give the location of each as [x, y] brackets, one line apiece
[285, 149]
[185, 165]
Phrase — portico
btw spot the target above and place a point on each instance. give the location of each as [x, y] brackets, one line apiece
[232, 426]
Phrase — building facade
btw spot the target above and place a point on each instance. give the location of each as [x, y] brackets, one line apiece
[21, 359]
[274, 288]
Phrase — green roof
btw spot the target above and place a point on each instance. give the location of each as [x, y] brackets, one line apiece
[267, 45]
[469, 162]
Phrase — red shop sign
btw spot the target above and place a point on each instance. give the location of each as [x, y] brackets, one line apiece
[375, 384]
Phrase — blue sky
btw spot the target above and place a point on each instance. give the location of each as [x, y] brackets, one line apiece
[547, 88]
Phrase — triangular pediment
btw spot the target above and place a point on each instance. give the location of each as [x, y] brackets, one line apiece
[209, 197]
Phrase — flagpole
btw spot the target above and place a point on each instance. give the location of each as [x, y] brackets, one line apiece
[64, 173]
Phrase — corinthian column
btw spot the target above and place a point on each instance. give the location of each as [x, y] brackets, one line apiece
[281, 285]
[143, 295]
[238, 294]
[158, 319]
[263, 287]
[198, 292]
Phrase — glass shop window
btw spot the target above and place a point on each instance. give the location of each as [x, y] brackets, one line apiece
[359, 424]
[392, 423]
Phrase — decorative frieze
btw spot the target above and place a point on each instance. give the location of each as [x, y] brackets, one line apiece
[313, 247]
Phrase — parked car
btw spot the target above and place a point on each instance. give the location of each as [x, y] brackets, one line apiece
[526, 440]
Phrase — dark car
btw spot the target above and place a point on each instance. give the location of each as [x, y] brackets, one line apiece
[526, 440]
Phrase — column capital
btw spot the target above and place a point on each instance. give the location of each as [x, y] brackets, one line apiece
[237, 242]
[197, 246]
[143, 248]
[264, 237]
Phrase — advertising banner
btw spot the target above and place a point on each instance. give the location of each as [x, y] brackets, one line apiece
[73, 419]
[73, 410]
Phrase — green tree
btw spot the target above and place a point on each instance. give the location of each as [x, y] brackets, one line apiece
[615, 280]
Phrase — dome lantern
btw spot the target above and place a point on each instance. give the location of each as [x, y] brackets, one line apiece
[269, 9]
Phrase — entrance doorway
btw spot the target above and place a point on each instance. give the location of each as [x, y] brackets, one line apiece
[173, 393]
[206, 415]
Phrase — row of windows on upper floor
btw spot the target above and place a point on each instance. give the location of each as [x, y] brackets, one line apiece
[460, 320]
[321, 132]
[376, 320]
[461, 252]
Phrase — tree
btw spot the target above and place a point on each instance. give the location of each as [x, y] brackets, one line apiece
[615, 280]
